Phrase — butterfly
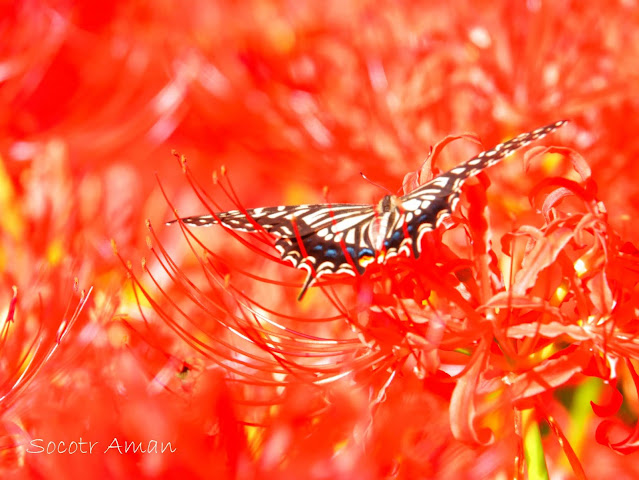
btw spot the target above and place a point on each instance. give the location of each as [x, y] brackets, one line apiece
[346, 238]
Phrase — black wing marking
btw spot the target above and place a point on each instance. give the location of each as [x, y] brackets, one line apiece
[425, 208]
[334, 238]
[279, 221]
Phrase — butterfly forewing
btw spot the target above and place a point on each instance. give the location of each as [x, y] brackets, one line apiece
[324, 220]
[426, 207]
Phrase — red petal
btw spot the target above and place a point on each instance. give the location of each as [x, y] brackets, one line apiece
[550, 374]
[604, 430]
[463, 413]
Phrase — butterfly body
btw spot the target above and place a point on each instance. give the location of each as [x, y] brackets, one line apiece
[346, 238]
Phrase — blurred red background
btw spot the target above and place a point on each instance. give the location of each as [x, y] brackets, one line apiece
[291, 97]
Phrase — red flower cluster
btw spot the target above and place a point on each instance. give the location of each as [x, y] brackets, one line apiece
[478, 360]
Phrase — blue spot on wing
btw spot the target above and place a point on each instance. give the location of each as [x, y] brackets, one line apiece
[366, 252]
[395, 239]
[423, 217]
[326, 251]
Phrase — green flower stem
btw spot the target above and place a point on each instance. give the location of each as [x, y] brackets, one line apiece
[533, 448]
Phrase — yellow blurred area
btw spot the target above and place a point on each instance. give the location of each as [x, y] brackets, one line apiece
[3, 259]
[254, 439]
[11, 220]
[545, 353]
[340, 445]
[282, 36]
[560, 294]
[279, 33]
[495, 420]
[432, 299]
[129, 302]
[513, 205]
[27, 355]
[55, 252]
[296, 194]
[550, 162]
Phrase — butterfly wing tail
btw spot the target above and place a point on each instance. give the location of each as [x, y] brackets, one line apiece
[308, 282]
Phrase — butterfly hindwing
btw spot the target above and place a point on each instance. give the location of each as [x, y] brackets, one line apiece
[345, 251]
[407, 230]
[329, 239]
[320, 238]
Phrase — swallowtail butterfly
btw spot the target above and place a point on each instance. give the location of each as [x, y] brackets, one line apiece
[346, 238]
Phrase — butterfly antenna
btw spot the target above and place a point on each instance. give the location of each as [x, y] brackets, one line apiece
[376, 184]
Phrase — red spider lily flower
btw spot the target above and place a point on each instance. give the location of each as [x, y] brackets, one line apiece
[514, 325]
[80, 392]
